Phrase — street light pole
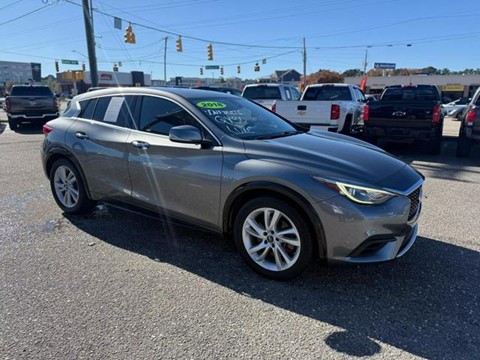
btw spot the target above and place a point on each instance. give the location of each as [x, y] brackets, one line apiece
[92, 58]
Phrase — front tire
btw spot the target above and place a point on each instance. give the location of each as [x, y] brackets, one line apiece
[273, 238]
[68, 188]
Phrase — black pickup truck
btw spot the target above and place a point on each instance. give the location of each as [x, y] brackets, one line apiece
[30, 104]
[406, 114]
[470, 126]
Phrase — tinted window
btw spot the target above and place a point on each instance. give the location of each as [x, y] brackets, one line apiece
[159, 115]
[31, 91]
[262, 92]
[101, 108]
[87, 108]
[241, 118]
[327, 93]
[410, 93]
[295, 93]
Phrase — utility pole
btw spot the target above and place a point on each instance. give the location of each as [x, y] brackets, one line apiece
[304, 64]
[92, 58]
[365, 62]
[165, 63]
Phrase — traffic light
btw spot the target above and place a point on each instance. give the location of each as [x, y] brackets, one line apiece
[115, 67]
[129, 35]
[179, 44]
[201, 71]
[83, 67]
[256, 67]
[238, 69]
[210, 52]
[57, 68]
[221, 71]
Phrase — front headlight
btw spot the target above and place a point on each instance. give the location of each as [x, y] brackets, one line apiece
[359, 194]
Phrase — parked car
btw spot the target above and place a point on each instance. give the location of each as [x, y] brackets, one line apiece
[266, 94]
[225, 163]
[30, 104]
[470, 127]
[455, 108]
[332, 107]
[406, 114]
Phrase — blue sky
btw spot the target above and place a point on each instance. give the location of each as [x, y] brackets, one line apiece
[337, 33]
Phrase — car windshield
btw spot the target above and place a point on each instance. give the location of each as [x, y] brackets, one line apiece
[243, 119]
[262, 92]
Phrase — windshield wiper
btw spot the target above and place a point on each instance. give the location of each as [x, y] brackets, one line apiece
[278, 135]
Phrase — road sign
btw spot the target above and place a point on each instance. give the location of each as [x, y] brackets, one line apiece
[70, 62]
[389, 66]
[212, 67]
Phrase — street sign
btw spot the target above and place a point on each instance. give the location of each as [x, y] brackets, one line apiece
[389, 66]
[70, 62]
[212, 67]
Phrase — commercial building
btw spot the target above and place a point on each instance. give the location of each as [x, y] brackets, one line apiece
[12, 72]
[451, 86]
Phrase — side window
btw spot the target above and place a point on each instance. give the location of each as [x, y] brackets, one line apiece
[87, 108]
[159, 115]
[288, 94]
[295, 93]
[101, 108]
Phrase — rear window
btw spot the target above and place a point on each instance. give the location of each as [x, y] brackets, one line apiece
[327, 93]
[410, 93]
[262, 92]
[31, 91]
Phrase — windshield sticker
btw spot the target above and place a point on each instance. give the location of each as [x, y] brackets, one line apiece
[211, 105]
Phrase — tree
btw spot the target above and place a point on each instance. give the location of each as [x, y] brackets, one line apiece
[323, 76]
[352, 73]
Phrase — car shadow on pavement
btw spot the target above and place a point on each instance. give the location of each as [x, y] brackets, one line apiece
[2, 127]
[29, 129]
[425, 303]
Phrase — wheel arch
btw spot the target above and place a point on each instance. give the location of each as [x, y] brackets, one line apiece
[61, 153]
[251, 190]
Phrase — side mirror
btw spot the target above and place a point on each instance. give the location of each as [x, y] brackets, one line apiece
[186, 134]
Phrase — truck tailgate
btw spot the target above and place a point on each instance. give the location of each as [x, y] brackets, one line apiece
[398, 115]
[313, 113]
[32, 105]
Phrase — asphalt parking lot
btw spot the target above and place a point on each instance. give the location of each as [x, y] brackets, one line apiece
[117, 285]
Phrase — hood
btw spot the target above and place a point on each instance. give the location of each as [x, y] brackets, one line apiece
[329, 155]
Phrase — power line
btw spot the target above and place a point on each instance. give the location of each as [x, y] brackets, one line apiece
[25, 15]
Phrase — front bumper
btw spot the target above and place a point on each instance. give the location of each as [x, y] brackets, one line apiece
[367, 234]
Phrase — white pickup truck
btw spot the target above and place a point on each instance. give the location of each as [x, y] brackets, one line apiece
[332, 107]
[267, 94]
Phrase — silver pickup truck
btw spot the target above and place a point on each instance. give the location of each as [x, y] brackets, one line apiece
[332, 107]
[30, 104]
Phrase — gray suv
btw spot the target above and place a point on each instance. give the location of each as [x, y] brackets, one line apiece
[222, 162]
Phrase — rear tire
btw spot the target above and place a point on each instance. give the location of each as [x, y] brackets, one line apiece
[68, 188]
[434, 147]
[12, 124]
[273, 238]
[464, 145]
[347, 126]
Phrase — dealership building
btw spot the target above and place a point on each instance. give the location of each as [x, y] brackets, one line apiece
[452, 86]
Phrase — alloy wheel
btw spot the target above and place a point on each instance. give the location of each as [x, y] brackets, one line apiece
[66, 186]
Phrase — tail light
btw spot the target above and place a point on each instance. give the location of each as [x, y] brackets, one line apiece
[274, 107]
[366, 112]
[7, 104]
[436, 114]
[335, 112]
[470, 117]
[46, 129]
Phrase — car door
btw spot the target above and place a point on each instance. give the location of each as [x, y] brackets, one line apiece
[98, 141]
[180, 179]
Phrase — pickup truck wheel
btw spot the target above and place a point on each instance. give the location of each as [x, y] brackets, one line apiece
[273, 238]
[347, 126]
[434, 147]
[12, 124]
[68, 188]
[464, 146]
[459, 116]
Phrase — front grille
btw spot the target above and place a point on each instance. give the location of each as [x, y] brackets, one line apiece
[414, 202]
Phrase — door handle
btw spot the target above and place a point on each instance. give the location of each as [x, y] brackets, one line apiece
[81, 135]
[140, 144]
